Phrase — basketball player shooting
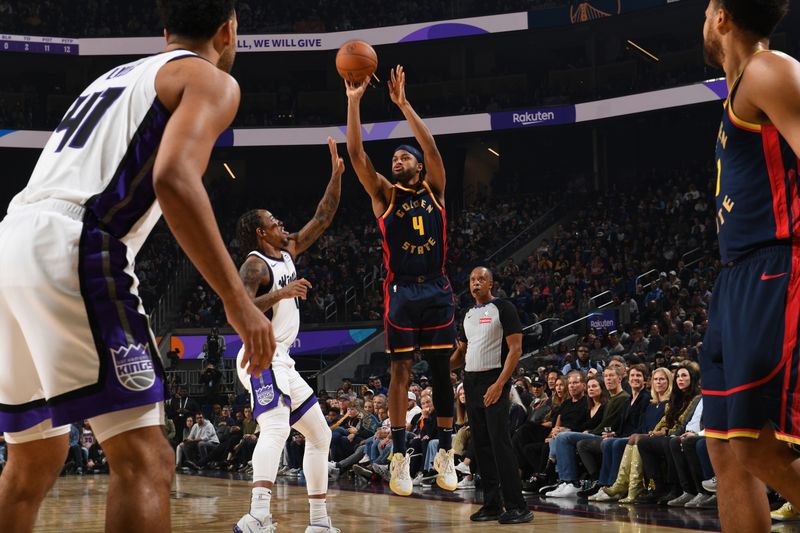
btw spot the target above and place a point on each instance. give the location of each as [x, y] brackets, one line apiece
[75, 342]
[281, 398]
[750, 356]
[420, 307]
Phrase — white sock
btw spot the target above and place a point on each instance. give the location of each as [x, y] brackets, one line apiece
[319, 512]
[259, 503]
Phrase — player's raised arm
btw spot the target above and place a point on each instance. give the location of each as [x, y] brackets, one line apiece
[777, 93]
[204, 101]
[434, 166]
[299, 242]
[377, 186]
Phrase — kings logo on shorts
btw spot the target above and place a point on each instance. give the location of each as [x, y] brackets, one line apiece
[134, 366]
[265, 394]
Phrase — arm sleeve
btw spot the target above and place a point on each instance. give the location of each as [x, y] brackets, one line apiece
[509, 318]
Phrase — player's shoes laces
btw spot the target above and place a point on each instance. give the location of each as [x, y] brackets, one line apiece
[443, 463]
[401, 483]
[323, 529]
[786, 513]
[250, 524]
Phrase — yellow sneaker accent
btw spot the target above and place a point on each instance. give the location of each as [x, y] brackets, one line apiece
[786, 513]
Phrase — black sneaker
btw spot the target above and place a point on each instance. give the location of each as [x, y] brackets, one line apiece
[593, 489]
[486, 515]
[516, 516]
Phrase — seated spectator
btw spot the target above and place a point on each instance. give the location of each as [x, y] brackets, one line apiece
[606, 410]
[583, 363]
[687, 458]
[74, 463]
[654, 449]
[597, 456]
[202, 439]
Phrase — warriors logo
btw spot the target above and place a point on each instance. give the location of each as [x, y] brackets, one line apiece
[583, 11]
[134, 367]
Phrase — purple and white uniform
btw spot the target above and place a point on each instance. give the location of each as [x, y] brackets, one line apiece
[75, 341]
[281, 380]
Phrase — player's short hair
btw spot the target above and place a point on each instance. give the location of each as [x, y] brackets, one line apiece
[195, 19]
[757, 16]
[246, 230]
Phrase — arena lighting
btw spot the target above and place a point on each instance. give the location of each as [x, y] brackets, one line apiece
[495, 152]
[642, 50]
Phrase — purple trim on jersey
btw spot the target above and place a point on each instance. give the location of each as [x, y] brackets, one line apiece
[298, 413]
[265, 393]
[130, 193]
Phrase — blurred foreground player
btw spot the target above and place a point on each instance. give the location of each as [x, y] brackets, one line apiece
[281, 398]
[75, 341]
[750, 363]
[420, 308]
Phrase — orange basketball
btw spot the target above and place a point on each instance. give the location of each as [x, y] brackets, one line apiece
[356, 61]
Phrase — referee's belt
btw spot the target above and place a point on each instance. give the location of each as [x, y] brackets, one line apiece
[417, 279]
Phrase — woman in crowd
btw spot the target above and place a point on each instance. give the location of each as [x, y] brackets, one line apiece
[654, 449]
[622, 465]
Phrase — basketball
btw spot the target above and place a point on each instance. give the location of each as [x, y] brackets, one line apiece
[356, 61]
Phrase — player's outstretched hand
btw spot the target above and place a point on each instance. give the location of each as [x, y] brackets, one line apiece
[355, 91]
[397, 86]
[255, 330]
[297, 289]
[337, 163]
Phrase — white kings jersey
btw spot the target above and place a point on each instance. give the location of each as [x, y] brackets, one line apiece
[101, 155]
[285, 315]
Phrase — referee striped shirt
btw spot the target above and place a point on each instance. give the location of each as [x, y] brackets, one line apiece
[486, 328]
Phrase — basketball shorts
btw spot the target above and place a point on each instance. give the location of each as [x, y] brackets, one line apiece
[280, 381]
[749, 360]
[419, 316]
[75, 342]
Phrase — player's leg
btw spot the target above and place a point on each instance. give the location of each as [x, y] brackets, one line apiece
[272, 414]
[400, 483]
[772, 461]
[35, 458]
[444, 403]
[141, 468]
[737, 485]
[315, 429]
[308, 419]
[36, 450]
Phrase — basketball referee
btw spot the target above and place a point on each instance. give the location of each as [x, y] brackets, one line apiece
[489, 355]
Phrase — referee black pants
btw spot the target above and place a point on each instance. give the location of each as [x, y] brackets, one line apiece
[497, 465]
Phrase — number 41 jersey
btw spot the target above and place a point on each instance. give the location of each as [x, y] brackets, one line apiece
[414, 231]
[101, 155]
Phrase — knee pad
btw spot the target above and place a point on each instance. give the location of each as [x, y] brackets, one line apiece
[315, 429]
[443, 397]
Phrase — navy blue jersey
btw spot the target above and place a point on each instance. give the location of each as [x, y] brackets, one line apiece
[757, 201]
[414, 229]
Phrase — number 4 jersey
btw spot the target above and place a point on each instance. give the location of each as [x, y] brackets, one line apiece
[414, 229]
[101, 155]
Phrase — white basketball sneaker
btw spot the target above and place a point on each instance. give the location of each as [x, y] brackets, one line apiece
[323, 529]
[443, 463]
[401, 483]
[250, 524]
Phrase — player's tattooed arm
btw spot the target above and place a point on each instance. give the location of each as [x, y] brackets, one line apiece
[254, 273]
[299, 242]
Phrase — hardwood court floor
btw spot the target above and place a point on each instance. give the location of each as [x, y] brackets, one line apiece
[210, 504]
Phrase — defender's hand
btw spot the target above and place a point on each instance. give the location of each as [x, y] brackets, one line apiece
[397, 86]
[355, 91]
[255, 331]
[297, 289]
[337, 163]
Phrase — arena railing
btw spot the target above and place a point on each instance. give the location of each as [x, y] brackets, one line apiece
[535, 227]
